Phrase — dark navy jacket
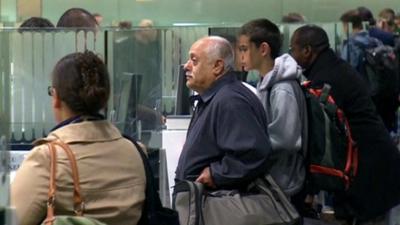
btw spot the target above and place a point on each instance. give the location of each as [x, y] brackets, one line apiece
[387, 38]
[228, 132]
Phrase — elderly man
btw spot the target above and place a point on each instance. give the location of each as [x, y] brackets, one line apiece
[227, 144]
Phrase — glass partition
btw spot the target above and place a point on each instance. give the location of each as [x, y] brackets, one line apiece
[26, 62]
[28, 59]
[144, 66]
[4, 131]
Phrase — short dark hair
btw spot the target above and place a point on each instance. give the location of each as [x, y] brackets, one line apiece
[263, 30]
[353, 17]
[293, 17]
[82, 82]
[388, 15]
[35, 22]
[312, 35]
[77, 17]
[366, 15]
[125, 24]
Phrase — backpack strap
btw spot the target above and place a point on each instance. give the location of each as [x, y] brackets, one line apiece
[304, 130]
[269, 90]
[151, 201]
[325, 93]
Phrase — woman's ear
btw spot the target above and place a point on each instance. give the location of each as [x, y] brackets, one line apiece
[56, 101]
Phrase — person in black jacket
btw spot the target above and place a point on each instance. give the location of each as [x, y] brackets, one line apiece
[376, 188]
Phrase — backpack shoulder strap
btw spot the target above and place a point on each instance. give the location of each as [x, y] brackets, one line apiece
[269, 90]
[304, 132]
[152, 202]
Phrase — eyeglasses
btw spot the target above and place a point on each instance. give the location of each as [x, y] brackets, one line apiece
[50, 90]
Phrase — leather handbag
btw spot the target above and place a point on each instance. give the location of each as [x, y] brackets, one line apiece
[263, 203]
[79, 205]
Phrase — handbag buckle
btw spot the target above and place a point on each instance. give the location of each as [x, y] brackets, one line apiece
[79, 208]
[51, 200]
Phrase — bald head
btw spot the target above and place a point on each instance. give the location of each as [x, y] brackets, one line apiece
[147, 33]
[210, 58]
[218, 48]
[146, 23]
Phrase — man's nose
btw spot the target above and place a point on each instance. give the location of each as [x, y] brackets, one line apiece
[242, 57]
[186, 65]
[242, 60]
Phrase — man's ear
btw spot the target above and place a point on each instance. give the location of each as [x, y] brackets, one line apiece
[265, 49]
[307, 51]
[219, 67]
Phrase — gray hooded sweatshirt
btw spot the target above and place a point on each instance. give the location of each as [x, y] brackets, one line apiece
[286, 118]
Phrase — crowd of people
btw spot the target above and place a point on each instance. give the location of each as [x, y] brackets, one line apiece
[235, 135]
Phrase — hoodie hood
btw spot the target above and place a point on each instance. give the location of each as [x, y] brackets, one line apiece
[285, 68]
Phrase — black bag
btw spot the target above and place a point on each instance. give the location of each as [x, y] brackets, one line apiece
[332, 155]
[153, 212]
[380, 66]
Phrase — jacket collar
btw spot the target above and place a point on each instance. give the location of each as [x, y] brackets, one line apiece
[83, 132]
[78, 119]
[227, 78]
[326, 57]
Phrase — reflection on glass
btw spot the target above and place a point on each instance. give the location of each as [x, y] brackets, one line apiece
[144, 65]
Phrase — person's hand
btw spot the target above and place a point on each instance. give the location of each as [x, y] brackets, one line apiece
[163, 120]
[205, 178]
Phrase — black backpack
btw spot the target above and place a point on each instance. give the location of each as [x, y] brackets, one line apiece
[153, 212]
[332, 155]
[380, 65]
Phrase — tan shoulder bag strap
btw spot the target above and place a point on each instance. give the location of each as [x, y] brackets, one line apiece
[52, 186]
[78, 202]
